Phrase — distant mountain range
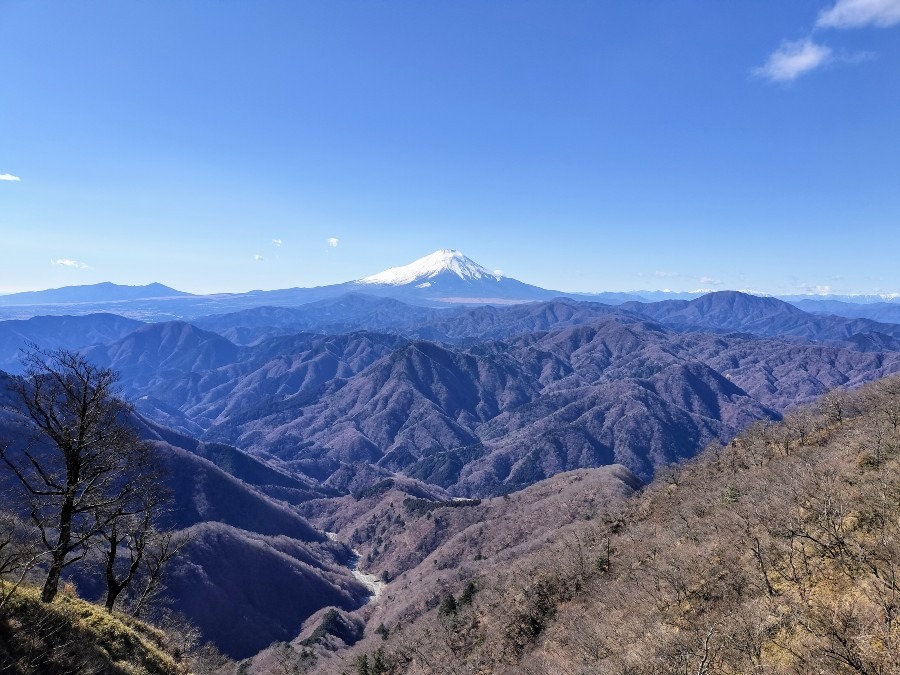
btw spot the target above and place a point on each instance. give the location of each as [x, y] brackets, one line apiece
[103, 292]
[443, 278]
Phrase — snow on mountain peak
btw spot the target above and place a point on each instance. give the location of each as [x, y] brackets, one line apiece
[444, 260]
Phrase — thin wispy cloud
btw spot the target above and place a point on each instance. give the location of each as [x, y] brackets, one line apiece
[333, 242]
[710, 281]
[277, 242]
[793, 59]
[66, 262]
[663, 274]
[258, 258]
[860, 13]
[9, 177]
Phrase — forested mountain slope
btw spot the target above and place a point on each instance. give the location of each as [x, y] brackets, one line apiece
[498, 415]
[482, 416]
[427, 546]
[775, 553]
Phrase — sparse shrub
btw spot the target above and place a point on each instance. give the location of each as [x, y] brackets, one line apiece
[378, 666]
[730, 495]
[468, 594]
[448, 605]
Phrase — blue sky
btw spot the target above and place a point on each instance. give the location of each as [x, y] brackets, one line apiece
[226, 146]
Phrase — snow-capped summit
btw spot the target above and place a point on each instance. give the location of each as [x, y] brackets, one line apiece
[425, 269]
[447, 276]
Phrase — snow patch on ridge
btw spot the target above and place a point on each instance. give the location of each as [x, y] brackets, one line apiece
[444, 260]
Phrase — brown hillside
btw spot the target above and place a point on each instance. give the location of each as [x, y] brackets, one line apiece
[775, 554]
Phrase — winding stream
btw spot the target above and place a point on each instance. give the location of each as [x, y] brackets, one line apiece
[370, 581]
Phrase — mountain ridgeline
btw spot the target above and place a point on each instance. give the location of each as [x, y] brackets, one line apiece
[494, 398]
[445, 278]
[436, 420]
[477, 400]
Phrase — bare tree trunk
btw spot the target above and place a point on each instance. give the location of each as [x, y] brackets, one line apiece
[58, 559]
[114, 586]
[51, 586]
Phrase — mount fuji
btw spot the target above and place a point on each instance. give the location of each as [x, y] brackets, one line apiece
[448, 276]
[442, 261]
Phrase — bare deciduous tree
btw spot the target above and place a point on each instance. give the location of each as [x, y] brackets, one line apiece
[82, 465]
[159, 548]
[131, 533]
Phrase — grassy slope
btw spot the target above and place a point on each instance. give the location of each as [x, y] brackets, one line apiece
[73, 636]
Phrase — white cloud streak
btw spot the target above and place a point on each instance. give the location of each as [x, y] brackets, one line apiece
[859, 13]
[816, 289]
[66, 262]
[258, 258]
[333, 242]
[793, 59]
[277, 242]
[662, 274]
[9, 177]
